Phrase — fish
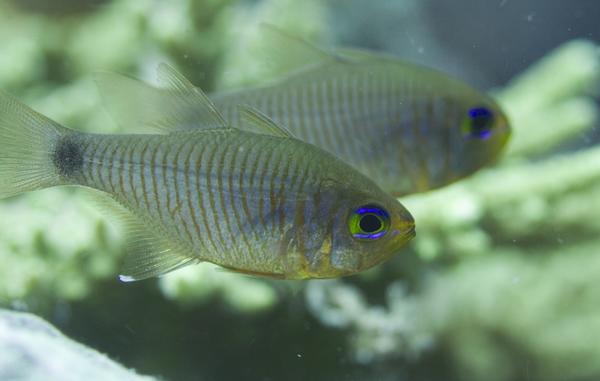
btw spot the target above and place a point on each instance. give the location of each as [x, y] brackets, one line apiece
[409, 128]
[258, 202]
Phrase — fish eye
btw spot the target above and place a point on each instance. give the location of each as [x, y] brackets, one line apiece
[369, 222]
[479, 123]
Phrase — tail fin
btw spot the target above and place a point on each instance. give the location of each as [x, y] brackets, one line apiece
[27, 141]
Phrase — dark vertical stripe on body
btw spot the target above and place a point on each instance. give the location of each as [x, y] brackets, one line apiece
[202, 192]
[231, 237]
[179, 175]
[245, 168]
[100, 167]
[191, 207]
[211, 198]
[155, 170]
[299, 217]
[112, 165]
[142, 169]
[131, 168]
[233, 168]
[281, 194]
[87, 144]
[263, 171]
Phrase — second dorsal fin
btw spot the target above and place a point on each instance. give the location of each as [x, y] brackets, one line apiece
[176, 107]
[288, 54]
[259, 122]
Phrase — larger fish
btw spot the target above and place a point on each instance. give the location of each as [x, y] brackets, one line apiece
[407, 127]
[264, 204]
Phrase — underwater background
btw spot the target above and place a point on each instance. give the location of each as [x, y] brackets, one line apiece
[501, 282]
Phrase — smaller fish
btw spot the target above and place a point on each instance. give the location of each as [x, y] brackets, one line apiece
[261, 203]
[407, 127]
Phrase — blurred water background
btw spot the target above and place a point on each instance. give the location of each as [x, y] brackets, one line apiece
[501, 282]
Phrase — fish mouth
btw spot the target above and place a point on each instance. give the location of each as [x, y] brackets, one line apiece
[405, 226]
[403, 232]
[410, 232]
[407, 232]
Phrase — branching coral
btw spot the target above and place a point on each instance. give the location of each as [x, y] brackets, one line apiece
[521, 300]
[513, 293]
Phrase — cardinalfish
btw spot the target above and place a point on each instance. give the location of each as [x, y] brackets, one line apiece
[407, 127]
[257, 202]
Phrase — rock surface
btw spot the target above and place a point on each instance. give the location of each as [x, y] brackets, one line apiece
[32, 349]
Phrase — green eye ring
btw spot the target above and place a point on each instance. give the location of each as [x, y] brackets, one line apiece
[369, 222]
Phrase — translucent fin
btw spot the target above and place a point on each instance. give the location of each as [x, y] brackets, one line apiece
[287, 54]
[130, 102]
[189, 98]
[262, 123]
[27, 140]
[355, 54]
[148, 256]
[176, 107]
[148, 252]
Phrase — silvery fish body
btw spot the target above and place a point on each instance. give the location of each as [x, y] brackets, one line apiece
[407, 127]
[404, 127]
[258, 203]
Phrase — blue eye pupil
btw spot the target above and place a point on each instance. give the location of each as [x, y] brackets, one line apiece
[481, 120]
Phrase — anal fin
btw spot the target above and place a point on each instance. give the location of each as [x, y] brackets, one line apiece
[149, 256]
[149, 252]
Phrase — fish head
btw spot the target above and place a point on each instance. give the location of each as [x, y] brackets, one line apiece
[367, 228]
[483, 130]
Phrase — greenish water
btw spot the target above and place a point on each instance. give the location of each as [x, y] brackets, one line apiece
[501, 282]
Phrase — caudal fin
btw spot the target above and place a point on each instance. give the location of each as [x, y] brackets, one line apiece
[27, 142]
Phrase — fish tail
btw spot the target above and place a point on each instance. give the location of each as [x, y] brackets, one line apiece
[30, 146]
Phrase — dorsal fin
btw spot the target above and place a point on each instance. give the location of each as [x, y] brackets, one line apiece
[261, 123]
[190, 95]
[287, 54]
[176, 107]
[356, 54]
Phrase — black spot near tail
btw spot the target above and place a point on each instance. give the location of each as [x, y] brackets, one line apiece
[67, 157]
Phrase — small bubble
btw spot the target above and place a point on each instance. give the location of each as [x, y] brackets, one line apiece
[421, 50]
[299, 355]
[530, 17]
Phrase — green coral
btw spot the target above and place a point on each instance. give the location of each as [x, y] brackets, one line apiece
[500, 279]
[59, 247]
[521, 300]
